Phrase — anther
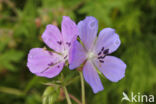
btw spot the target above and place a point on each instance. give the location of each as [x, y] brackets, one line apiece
[102, 57]
[99, 53]
[65, 57]
[59, 42]
[50, 64]
[102, 49]
[68, 43]
[106, 51]
[101, 61]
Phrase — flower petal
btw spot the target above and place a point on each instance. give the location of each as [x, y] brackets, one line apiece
[108, 39]
[69, 31]
[52, 37]
[92, 77]
[52, 71]
[88, 29]
[113, 68]
[39, 60]
[77, 55]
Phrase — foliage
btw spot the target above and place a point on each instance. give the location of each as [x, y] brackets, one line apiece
[23, 22]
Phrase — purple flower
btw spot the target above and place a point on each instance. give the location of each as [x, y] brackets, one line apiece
[50, 63]
[94, 54]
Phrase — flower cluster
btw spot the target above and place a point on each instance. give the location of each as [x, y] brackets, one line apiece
[91, 53]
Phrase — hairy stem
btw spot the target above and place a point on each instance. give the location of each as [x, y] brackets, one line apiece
[82, 87]
[75, 99]
[67, 95]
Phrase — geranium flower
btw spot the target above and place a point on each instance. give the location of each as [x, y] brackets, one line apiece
[94, 54]
[50, 63]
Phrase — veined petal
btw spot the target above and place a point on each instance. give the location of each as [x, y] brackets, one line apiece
[108, 39]
[88, 29]
[40, 60]
[113, 68]
[69, 31]
[52, 71]
[92, 77]
[77, 55]
[52, 37]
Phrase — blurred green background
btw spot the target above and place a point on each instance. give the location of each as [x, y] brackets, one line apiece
[22, 23]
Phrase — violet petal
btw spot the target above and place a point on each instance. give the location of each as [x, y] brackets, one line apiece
[108, 39]
[69, 31]
[39, 60]
[88, 29]
[92, 77]
[53, 38]
[52, 71]
[113, 68]
[77, 55]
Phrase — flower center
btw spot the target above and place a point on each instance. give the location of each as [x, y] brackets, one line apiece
[91, 55]
[65, 54]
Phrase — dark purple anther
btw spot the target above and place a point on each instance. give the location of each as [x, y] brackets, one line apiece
[102, 49]
[102, 57]
[68, 43]
[59, 42]
[50, 64]
[65, 57]
[99, 53]
[106, 51]
[101, 61]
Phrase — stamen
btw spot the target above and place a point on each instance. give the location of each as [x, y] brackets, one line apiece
[99, 53]
[59, 42]
[68, 43]
[102, 49]
[106, 51]
[101, 61]
[65, 57]
[102, 57]
[50, 64]
[104, 54]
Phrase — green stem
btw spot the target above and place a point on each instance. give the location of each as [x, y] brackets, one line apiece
[11, 91]
[82, 88]
[67, 95]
